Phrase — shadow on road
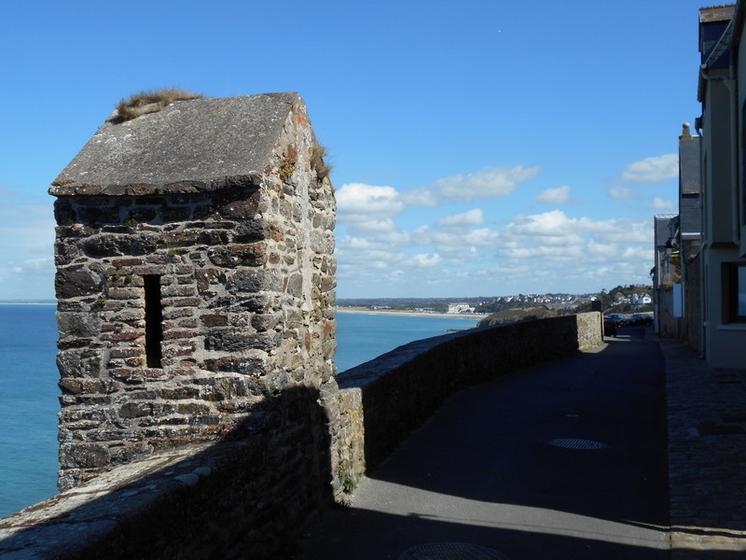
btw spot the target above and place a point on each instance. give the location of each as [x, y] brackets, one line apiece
[565, 460]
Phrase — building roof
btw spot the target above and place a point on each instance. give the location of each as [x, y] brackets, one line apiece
[716, 30]
[690, 217]
[189, 146]
[664, 224]
[710, 14]
[718, 55]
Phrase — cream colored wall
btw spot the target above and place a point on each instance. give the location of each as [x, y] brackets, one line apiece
[718, 173]
[725, 343]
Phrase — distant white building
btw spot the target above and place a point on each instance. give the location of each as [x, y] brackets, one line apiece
[460, 308]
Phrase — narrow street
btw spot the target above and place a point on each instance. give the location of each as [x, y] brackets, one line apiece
[562, 461]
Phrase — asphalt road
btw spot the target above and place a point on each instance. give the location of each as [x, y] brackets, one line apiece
[484, 470]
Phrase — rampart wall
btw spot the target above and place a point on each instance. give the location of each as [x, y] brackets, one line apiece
[298, 450]
[382, 400]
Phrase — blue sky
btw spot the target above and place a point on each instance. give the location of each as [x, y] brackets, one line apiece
[479, 148]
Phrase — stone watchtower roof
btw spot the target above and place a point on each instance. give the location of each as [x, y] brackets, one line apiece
[189, 146]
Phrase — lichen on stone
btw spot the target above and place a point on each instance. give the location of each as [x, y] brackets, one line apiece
[289, 159]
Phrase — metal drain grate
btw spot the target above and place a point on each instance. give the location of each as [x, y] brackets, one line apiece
[451, 551]
[572, 443]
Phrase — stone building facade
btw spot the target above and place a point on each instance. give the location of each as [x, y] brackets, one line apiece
[689, 237]
[195, 280]
[677, 274]
[666, 274]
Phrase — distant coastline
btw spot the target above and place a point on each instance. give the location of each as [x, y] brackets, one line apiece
[404, 313]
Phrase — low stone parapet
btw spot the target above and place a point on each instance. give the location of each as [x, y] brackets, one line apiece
[246, 496]
[381, 401]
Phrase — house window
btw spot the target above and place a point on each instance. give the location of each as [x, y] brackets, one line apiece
[153, 320]
[678, 300]
[734, 275]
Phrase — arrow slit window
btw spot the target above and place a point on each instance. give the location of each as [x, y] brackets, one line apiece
[153, 320]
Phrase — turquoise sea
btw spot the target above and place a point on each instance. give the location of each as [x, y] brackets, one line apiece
[362, 337]
[28, 386]
[28, 405]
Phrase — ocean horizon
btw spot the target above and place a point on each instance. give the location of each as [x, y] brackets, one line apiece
[29, 392]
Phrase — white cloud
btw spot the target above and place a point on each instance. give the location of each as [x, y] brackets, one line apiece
[490, 182]
[360, 203]
[481, 237]
[557, 224]
[589, 244]
[473, 217]
[653, 169]
[560, 195]
[26, 262]
[420, 197]
[359, 198]
[368, 208]
[455, 243]
[630, 232]
[546, 251]
[660, 203]
[554, 222]
[643, 253]
[426, 260]
[598, 249]
[41, 263]
[556, 253]
[622, 193]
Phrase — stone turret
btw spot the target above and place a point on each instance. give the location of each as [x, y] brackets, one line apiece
[195, 277]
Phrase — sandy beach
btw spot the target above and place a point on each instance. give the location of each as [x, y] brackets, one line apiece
[400, 313]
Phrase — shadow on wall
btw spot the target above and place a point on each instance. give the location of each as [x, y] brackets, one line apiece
[251, 493]
[255, 491]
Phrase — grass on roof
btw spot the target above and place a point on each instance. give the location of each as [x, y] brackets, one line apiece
[150, 102]
[318, 153]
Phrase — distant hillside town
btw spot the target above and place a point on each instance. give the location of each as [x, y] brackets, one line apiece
[622, 299]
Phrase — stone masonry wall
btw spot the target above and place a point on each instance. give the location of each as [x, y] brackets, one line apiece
[247, 288]
[668, 325]
[252, 496]
[244, 497]
[589, 327]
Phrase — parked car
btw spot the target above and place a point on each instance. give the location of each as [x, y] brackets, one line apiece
[611, 323]
[641, 319]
